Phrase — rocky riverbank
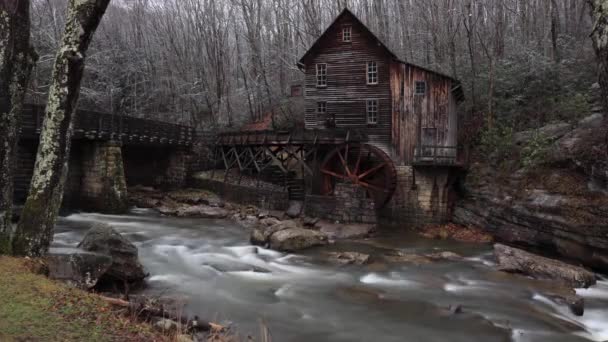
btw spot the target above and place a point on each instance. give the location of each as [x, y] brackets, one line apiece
[108, 263]
[283, 231]
[558, 207]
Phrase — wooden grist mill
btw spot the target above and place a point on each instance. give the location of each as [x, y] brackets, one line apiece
[370, 119]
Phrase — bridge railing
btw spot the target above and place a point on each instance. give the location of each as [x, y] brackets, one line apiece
[298, 137]
[101, 126]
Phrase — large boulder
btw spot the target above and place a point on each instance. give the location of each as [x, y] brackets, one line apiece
[103, 239]
[262, 233]
[518, 261]
[287, 236]
[295, 239]
[77, 268]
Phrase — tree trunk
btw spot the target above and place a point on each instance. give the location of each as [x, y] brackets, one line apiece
[35, 229]
[17, 58]
[599, 13]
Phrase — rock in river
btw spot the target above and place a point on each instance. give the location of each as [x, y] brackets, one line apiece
[287, 236]
[295, 239]
[518, 261]
[345, 231]
[103, 239]
[348, 258]
[203, 211]
[262, 233]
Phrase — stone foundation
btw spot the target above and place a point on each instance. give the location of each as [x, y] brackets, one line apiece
[261, 198]
[348, 205]
[421, 197]
[103, 183]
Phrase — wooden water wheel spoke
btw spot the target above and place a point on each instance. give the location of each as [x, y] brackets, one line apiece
[358, 160]
[373, 187]
[371, 171]
[344, 163]
[327, 172]
[363, 165]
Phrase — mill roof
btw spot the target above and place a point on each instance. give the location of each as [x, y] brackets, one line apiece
[346, 12]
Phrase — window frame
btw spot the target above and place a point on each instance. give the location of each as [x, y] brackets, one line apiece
[416, 92]
[376, 111]
[347, 29]
[321, 104]
[372, 76]
[321, 77]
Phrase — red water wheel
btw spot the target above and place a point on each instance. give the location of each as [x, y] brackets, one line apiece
[361, 164]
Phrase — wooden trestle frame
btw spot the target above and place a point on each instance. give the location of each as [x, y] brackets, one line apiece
[288, 153]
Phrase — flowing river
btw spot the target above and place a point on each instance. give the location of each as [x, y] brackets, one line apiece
[301, 297]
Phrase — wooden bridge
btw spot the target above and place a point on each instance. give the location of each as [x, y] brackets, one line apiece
[109, 153]
[92, 125]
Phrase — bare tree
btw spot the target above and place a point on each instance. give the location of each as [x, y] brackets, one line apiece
[599, 13]
[35, 229]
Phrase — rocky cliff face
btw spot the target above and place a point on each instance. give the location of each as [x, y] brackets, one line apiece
[560, 206]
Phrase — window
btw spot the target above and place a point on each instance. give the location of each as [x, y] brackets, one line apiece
[321, 75]
[347, 34]
[372, 73]
[420, 88]
[372, 112]
[321, 108]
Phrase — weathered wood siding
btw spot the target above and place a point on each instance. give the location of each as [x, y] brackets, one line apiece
[412, 113]
[347, 89]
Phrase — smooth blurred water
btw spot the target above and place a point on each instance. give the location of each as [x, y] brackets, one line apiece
[301, 297]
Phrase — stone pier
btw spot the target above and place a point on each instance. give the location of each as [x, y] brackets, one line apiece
[176, 172]
[103, 183]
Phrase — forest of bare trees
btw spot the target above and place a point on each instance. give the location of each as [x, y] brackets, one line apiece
[227, 62]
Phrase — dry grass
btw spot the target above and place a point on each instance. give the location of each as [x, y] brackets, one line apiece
[34, 308]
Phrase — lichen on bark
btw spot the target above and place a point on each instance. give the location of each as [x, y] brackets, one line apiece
[35, 229]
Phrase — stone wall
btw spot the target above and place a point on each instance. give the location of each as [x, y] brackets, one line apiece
[349, 205]
[261, 198]
[421, 197]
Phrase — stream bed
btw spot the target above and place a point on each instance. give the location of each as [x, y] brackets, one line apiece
[302, 297]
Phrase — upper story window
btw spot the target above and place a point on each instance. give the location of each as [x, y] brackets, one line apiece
[420, 88]
[372, 112]
[372, 73]
[322, 75]
[347, 34]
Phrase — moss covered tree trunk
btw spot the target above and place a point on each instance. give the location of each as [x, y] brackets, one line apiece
[16, 61]
[599, 13]
[35, 229]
